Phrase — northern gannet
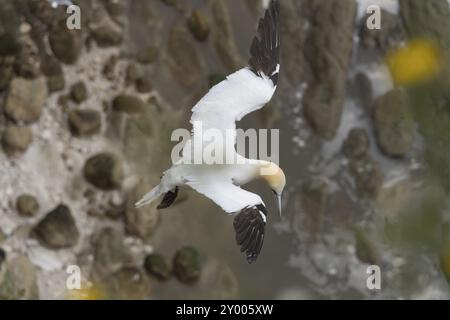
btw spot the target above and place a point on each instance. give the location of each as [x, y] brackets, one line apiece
[242, 92]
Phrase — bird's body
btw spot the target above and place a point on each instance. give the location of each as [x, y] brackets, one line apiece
[243, 92]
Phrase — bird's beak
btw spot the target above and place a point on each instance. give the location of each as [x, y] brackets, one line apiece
[279, 204]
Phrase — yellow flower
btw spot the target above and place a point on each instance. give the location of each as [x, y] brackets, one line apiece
[87, 292]
[418, 61]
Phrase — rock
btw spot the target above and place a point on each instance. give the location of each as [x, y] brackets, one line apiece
[9, 44]
[104, 170]
[157, 266]
[224, 40]
[25, 99]
[63, 101]
[19, 280]
[427, 19]
[2, 257]
[106, 32]
[43, 11]
[57, 230]
[147, 55]
[110, 253]
[328, 49]
[128, 104]
[216, 78]
[6, 72]
[444, 251]
[169, 2]
[144, 84]
[117, 11]
[255, 7]
[360, 88]
[132, 73]
[27, 205]
[323, 109]
[391, 35]
[293, 37]
[141, 222]
[84, 122]
[27, 62]
[129, 283]
[314, 199]
[2, 236]
[368, 176]
[221, 278]
[66, 44]
[184, 62]
[78, 92]
[394, 123]
[54, 73]
[365, 248]
[186, 265]
[15, 140]
[356, 144]
[199, 25]
[109, 67]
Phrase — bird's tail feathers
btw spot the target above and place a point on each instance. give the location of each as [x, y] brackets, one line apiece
[150, 197]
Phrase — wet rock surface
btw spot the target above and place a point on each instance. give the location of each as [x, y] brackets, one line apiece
[57, 229]
[104, 171]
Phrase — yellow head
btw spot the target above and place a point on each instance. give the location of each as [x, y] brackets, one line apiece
[275, 178]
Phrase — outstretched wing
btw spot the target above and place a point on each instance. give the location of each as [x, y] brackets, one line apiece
[251, 214]
[250, 225]
[246, 90]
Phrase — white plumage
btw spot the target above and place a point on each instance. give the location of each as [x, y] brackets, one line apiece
[241, 93]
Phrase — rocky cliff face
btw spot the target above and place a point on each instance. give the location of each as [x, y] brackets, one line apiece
[85, 123]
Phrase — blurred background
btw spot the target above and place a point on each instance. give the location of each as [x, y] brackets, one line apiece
[85, 122]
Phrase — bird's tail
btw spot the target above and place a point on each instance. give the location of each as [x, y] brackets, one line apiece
[150, 196]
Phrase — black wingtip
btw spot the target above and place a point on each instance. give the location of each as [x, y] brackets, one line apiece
[265, 48]
[249, 225]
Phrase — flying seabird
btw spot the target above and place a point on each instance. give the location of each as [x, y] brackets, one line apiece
[241, 93]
